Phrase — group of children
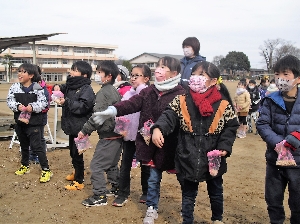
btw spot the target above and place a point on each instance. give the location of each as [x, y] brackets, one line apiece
[189, 129]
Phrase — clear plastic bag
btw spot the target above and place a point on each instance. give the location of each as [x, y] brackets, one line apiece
[121, 126]
[82, 144]
[24, 116]
[285, 157]
[214, 162]
[145, 131]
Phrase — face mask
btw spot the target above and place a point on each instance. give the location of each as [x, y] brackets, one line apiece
[272, 86]
[285, 85]
[188, 52]
[160, 74]
[240, 89]
[251, 87]
[197, 83]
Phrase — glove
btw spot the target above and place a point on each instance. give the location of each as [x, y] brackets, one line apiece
[285, 157]
[293, 140]
[100, 117]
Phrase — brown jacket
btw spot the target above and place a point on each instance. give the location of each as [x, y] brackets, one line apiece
[242, 102]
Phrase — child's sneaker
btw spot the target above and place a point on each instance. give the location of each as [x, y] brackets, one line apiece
[74, 186]
[95, 200]
[151, 214]
[119, 201]
[113, 191]
[143, 198]
[71, 177]
[22, 170]
[46, 176]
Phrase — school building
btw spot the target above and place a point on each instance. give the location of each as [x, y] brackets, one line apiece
[55, 58]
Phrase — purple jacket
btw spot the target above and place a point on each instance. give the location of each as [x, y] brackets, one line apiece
[152, 103]
[134, 118]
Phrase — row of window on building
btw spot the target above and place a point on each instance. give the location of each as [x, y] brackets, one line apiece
[50, 61]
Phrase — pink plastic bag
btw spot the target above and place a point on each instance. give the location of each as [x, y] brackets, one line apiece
[121, 126]
[82, 144]
[145, 131]
[24, 116]
[56, 95]
[285, 157]
[214, 162]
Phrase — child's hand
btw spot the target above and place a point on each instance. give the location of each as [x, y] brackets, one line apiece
[80, 135]
[29, 108]
[158, 138]
[223, 152]
[61, 101]
[21, 107]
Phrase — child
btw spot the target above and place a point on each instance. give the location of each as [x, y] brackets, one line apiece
[140, 75]
[254, 106]
[27, 95]
[151, 102]
[278, 125]
[242, 103]
[191, 48]
[207, 122]
[109, 147]
[77, 107]
[263, 86]
[121, 83]
[272, 87]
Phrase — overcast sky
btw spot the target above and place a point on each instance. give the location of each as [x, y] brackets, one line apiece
[158, 26]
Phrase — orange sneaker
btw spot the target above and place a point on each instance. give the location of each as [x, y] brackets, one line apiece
[74, 186]
[71, 176]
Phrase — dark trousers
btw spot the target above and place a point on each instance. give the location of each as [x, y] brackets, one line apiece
[31, 136]
[77, 160]
[43, 140]
[189, 194]
[276, 181]
[124, 180]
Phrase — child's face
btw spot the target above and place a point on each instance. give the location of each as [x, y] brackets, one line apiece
[75, 72]
[241, 86]
[289, 79]
[119, 78]
[137, 78]
[163, 73]
[209, 81]
[56, 88]
[103, 78]
[24, 77]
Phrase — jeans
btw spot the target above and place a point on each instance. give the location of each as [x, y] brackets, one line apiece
[124, 180]
[189, 194]
[153, 193]
[276, 181]
[77, 160]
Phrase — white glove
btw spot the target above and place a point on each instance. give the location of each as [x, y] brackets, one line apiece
[100, 117]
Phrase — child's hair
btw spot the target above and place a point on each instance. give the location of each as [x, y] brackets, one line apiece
[145, 70]
[123, 71]
[54, 86]
[30, 69]
[272, 81]
[193, 42]
[172, 63]
[109, 67]
[83, 67]
[213, 72]
[242, 83]
[288, 62]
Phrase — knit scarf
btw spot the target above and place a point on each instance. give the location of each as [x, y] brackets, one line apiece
[76, 82]
[167, 84]
[205, 100]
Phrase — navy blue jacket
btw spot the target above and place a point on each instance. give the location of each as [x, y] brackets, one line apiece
[275, 124]
[186, 68]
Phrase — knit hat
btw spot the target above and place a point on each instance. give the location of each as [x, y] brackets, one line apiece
[124, 72]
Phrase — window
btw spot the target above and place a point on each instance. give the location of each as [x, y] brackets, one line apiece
[65, 62]
[52, 77]
[47, 61]
[21, 60]
[81, 50]
[102, 51]
[64, 49]
[22, 47]
[47, 48]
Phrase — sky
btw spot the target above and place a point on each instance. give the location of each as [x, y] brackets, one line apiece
[158, 26]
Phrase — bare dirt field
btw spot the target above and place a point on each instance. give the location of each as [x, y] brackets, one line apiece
[24, 200]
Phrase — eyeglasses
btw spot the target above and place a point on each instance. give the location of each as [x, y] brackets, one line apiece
[135, 76]
[22, 71]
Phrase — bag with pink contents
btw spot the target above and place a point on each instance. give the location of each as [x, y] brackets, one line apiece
[121, 126]
[214, 162]
[24, 116]
[82, 144]
[56, 95]
[145, 131]
[285, 157]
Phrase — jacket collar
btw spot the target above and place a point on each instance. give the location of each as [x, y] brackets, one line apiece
[277, 98]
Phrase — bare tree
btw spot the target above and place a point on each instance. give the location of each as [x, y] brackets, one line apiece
[216, 60]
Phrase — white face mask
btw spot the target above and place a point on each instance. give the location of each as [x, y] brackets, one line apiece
[188, 52]
[251, 87]
[285, 85]
[272, 86]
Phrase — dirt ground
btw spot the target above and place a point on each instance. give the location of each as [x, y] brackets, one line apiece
[24, 200]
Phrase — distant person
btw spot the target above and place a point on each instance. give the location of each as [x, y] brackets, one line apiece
[139, 77]
[121, 83]
[253, 90]
[77, 108]
[278, 125]
[27, 95]
[263, 86]
[207, 124]
[272, 87]
[242, 103]
[191, 48]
